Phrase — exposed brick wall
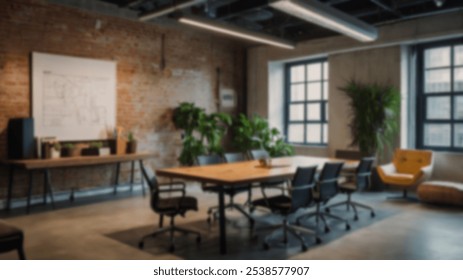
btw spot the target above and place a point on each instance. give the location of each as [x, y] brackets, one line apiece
[145, 94]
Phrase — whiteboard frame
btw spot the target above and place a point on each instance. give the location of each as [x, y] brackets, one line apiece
[87, 68]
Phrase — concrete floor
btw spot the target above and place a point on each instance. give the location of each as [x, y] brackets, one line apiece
[414, 231]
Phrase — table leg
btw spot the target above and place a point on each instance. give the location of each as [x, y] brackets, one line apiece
[45, 187]
[132, 170]
[118, 170]
[10, 189]
[49, 188]
[29, 194]
[142, 178]
[222, 227]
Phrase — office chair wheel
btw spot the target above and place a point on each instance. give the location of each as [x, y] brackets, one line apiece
[373, 214]
[318, 240]
[327, 229]
[327, 210]
[141, 244]
[347, 227]
[198, 239]
[266, 246]
[304, 247]
[356, 218]
[171, 248]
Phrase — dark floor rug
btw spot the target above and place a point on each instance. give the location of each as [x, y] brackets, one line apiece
[241, 244]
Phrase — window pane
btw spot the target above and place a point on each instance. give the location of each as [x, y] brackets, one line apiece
[296, 133]
[438, 108]
[314, 133]
[437, 57]
[297, 92]
[437, 80]
[458, 83]
[314, 91]
[313, 112]
[437, 135]
[297, 73]
[325, 91]
[325, 134]
[325, 71]
[296, 112]
[458, 138]
[326, 112]
[314, 72]
[458, 55]
[458, 108]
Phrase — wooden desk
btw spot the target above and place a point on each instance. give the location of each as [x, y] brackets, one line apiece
[45, 165]
[244, 172]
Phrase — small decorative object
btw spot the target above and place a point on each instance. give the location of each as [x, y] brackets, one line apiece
[104, 151]
[121, 143]
[93, 149]
[55, 151]
[131, 144]
[265, 162]
[69, 150]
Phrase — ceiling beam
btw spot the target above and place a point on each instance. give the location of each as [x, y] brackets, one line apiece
[169, 9]
[238, 7]
[386, 7]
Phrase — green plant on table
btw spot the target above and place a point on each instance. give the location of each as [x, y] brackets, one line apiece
[375, 111]
[130, 137]
[96, 145]
[68, 146]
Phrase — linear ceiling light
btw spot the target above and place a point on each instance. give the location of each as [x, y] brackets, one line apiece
[223, 28]
[170, 9]
[325, 16]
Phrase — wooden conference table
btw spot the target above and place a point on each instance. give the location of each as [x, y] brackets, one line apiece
[231, 174]
[45, 165]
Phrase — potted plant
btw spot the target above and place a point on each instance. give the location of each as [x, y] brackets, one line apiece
[55, 151]
[131, 144]
[92, 149]
[69, 150]
[375, 111]
[255, 133]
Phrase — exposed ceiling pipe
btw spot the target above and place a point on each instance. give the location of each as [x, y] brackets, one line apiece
[434, 13]
[170, 9]
[386, 7]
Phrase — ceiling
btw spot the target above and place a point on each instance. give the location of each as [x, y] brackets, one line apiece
[256, 15]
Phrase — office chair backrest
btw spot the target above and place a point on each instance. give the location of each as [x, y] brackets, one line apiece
[258, 154]
[302, 184]
[363, 172]
[234, 157]
[153, 184]
[328, 180]
[208, 159]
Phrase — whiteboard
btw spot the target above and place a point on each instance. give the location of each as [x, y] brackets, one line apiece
[73, 98]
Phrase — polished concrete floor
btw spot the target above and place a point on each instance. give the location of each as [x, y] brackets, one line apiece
[413, 231]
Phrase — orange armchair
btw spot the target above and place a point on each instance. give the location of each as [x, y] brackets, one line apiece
[408, 169]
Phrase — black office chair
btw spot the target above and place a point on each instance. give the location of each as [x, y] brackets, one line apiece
[356, 182]
[279, 184]
[11, 239]
[238, 157]
[301, 197]
[326, 187]
[170, 206]
[230, 191]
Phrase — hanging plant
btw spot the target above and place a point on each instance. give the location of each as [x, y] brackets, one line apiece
[375, 111]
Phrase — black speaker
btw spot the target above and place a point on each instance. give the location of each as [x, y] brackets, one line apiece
[21, 144]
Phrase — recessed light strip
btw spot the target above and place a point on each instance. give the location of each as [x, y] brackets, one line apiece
[325, 16]
[170, 9]
[234, 31]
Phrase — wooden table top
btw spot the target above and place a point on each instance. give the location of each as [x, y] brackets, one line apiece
[247, 171]
[31, 164]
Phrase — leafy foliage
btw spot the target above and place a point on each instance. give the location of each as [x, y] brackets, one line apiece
[375, 111]
[255, 133]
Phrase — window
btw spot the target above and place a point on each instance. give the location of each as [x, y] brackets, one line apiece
[307, 102]
[440, 96]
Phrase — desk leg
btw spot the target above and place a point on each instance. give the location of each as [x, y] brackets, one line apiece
[142, 177]
[222, 227]
[49, 189]
[118, 171]
[132, 170]
[29, 194]
[10, 189]
[45, 187]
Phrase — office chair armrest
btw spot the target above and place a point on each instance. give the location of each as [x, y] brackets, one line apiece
[180, 187]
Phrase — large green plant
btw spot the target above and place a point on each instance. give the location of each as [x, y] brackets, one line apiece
[203, 133]
[375, 111]
[255, 133]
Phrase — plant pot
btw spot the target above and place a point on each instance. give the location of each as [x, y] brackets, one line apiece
[55, 153]
[132, 147]
[70, 152]
[105, 151]
[90, 152]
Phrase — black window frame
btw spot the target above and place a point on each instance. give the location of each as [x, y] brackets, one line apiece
[422, 96]
[323, 102]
